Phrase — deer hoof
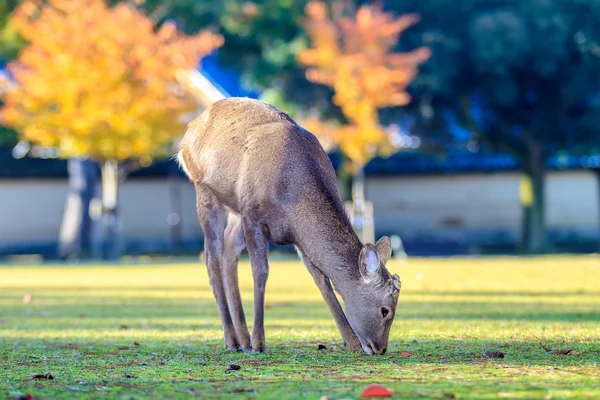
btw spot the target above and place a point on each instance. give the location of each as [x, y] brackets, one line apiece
[258, 351]
[246, 349]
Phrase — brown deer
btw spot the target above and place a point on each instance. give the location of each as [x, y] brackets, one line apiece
[251, 162]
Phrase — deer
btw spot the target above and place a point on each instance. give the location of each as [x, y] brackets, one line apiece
[260, 178]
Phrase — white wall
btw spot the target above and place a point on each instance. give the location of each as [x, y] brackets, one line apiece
[449, 205]
[32, 210]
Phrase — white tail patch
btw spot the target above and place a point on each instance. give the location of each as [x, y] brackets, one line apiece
[182, 165]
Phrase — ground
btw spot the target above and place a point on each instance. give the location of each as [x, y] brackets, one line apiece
[153, 331]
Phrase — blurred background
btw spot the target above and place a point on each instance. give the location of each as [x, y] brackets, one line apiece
[456, 127]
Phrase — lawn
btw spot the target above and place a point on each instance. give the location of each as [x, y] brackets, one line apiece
[153, 331]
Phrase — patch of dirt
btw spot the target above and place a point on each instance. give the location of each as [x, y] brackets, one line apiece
[232, 367]
[47, 377]
[558, 352]
[494, 354]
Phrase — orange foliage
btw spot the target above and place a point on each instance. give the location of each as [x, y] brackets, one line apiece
[353, 55]
[99, 81]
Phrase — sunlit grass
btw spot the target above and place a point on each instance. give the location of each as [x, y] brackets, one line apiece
[82, 322]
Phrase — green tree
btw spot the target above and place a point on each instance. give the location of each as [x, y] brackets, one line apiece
[522, 76]
[10, 41]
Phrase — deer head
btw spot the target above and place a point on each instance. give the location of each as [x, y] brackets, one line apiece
[371, 301]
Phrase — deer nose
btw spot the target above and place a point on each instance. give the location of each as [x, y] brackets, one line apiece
[378, 351]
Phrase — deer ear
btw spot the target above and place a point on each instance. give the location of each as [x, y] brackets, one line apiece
[384, 249]
[368, 261]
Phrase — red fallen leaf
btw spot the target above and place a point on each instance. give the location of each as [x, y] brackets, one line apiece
[405, 354]
[559, 352]
[376, 391]
[20, 396]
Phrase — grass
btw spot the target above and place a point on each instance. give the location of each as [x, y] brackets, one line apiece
[153, 331]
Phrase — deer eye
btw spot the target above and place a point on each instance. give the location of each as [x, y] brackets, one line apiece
[384, 311]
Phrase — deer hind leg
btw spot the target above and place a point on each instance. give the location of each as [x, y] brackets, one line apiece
[258, 248]
[212, 219]
[234, 245]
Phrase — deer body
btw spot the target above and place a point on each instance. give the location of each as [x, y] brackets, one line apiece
[251, 163]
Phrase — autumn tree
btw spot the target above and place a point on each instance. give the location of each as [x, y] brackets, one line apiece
[102, 82]
[354, 55]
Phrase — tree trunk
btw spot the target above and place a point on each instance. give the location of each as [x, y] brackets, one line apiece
[74, 237]
[110, 216]
[174, 217]
[361, 213]
[534, 238]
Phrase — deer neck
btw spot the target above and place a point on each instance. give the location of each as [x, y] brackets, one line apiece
[328, 242]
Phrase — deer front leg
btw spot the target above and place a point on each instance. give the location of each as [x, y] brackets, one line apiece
[324, 285]
[258, 249]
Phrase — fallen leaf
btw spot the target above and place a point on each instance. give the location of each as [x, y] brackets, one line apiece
[493, 354]
[43, 376]
[136, 344]
[161, 363]
[376, 391]
[405, 354]
[82, 316]
[129, 376]
[449, 395]
[321, 347]
[558, 352]
[27, 299]
[123, 348]
[232, 367]
[20, 396]
[123, 327]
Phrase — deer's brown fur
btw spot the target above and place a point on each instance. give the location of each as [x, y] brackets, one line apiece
[254, 166]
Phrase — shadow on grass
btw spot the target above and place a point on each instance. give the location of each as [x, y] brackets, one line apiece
[135, 308]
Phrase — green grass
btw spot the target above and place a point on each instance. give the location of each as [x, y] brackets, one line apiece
[82, 324]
